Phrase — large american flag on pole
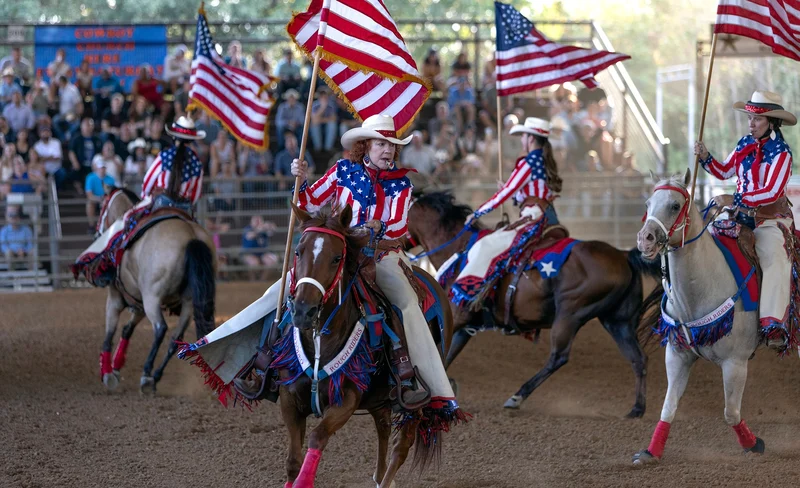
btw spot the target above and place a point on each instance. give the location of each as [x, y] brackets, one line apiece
[236, 97]
[364, 58]
[526, 60]
[776, 23]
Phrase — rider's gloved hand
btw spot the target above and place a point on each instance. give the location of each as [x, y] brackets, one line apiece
[300, 169]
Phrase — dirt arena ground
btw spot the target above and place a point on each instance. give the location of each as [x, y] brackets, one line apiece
[58, 427]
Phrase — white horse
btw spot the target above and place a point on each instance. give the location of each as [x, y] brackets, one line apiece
[700, 285]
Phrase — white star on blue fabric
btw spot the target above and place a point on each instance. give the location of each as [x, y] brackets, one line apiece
[548, 268]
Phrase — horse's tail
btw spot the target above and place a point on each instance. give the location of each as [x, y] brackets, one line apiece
[427, 452]
[649, 311]
[200, 279]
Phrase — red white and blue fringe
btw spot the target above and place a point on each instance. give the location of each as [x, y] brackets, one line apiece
[703, 332]
[433, 420]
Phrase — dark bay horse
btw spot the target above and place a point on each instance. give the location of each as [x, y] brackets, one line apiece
[596, 281]
[326, 259]
[171, 266]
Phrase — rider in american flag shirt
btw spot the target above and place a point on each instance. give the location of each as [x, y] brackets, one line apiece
[191, 173]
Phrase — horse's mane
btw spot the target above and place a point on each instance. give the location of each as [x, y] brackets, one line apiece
[451, 214]
[133, 197]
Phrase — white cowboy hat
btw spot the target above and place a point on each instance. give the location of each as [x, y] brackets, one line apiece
[291, 92]
[537, 127]
[767, 104]
[184, 128]
[8, 72]
[379, 126]
[139, 142]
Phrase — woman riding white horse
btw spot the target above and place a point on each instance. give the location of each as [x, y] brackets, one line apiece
[762, 164]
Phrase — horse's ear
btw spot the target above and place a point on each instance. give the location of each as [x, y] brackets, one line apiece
[345, 216]
[687, 177]
[301, 214]
[653, 176]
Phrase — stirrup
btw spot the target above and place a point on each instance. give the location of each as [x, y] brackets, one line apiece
[261, 387]
[397, 393]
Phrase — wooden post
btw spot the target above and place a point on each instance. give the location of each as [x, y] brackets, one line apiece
[703, 116]
[297, 183]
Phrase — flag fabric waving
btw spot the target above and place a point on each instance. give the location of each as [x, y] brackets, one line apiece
[234, 96]
[363, 58]
[526, 60]
[776, 23]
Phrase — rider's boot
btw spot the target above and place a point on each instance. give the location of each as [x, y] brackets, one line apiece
[258, 382]
[410, 398]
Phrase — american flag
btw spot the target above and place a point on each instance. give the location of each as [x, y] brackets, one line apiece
[349, 184]
[191, 178]
[526, 60]
[364, 58]
[527, 180]
[776, 23]
[234, 96]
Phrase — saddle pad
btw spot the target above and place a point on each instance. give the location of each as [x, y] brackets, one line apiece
[550, 259]
[740, 268]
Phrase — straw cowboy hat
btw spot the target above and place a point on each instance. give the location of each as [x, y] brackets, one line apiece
[378, 126]
[8, 72]
[532, 125]
[767, 104]
[184, 128]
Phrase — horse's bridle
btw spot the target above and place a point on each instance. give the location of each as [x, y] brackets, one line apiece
[312, 281]
[682, 221]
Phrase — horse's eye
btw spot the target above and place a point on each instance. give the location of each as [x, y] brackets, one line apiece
[675, 207]
[337, 260]
[297, 253]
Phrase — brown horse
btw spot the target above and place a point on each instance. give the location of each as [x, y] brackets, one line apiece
[596, 281]
[171, 266]
[327, 257]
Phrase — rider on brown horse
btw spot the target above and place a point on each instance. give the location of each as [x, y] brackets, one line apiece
[379, 195]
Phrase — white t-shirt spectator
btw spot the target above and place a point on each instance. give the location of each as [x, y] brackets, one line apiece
[113, 166]
[422, 159]
[68, 98]
[49, 149]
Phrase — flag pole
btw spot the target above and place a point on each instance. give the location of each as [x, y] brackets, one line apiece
[500, 147]
[703, 116]
[297, 183]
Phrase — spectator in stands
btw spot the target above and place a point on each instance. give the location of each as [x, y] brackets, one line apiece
[6, 134]
[224, 187]
[22, 68]
[112, 117]
[288, 73]
[435, 124]
[19, 115]
[468, 141]
[176, 68]
[223, 151]
[23, 144]
[290, 116]
[147, 86]
[137, 162]
[105, 87]
[253, 162]
[139, 115]
[57, 68]
[110, 161]
[323, 121]
[37, 97]
[283, 160]
[20, 182]
[461, 99]
[96, 181]
[260, 64]
[461, 68]
[234, 57]
[84, 78]
[50, 155]
[255, 241]
[16, 240]
[70, 105]
[182, 97]
[7, 168]
[156, 140]
[8, 87]
[489, 73]
[432, 70]
[418, 155]
[121, 143]
[82, 149]
[36, 172]
[446, 147]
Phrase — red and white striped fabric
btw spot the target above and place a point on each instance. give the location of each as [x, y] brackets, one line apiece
[364, 58]
[528, 179]
[526, 60]
[776, 23]
[191, 177]
[351, 184]
[234, 96]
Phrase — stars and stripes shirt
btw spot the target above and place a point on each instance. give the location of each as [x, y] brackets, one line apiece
[762, 169]
[528, 179]
[384, 196]
[191, 178]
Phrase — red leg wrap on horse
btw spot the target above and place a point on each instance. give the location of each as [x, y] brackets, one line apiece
[746, 438]
[309, 470]
[119, 355]
[105, 363]
[288, 484]
[659, 439]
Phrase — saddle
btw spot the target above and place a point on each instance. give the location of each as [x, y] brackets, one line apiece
[745, 239]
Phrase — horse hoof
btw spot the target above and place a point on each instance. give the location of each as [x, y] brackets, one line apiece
[643, 458]
[758, 448]
[636, 413]
[147, 385]
[454, 386]
[514, 402]
[111, 380]
[378, 484]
